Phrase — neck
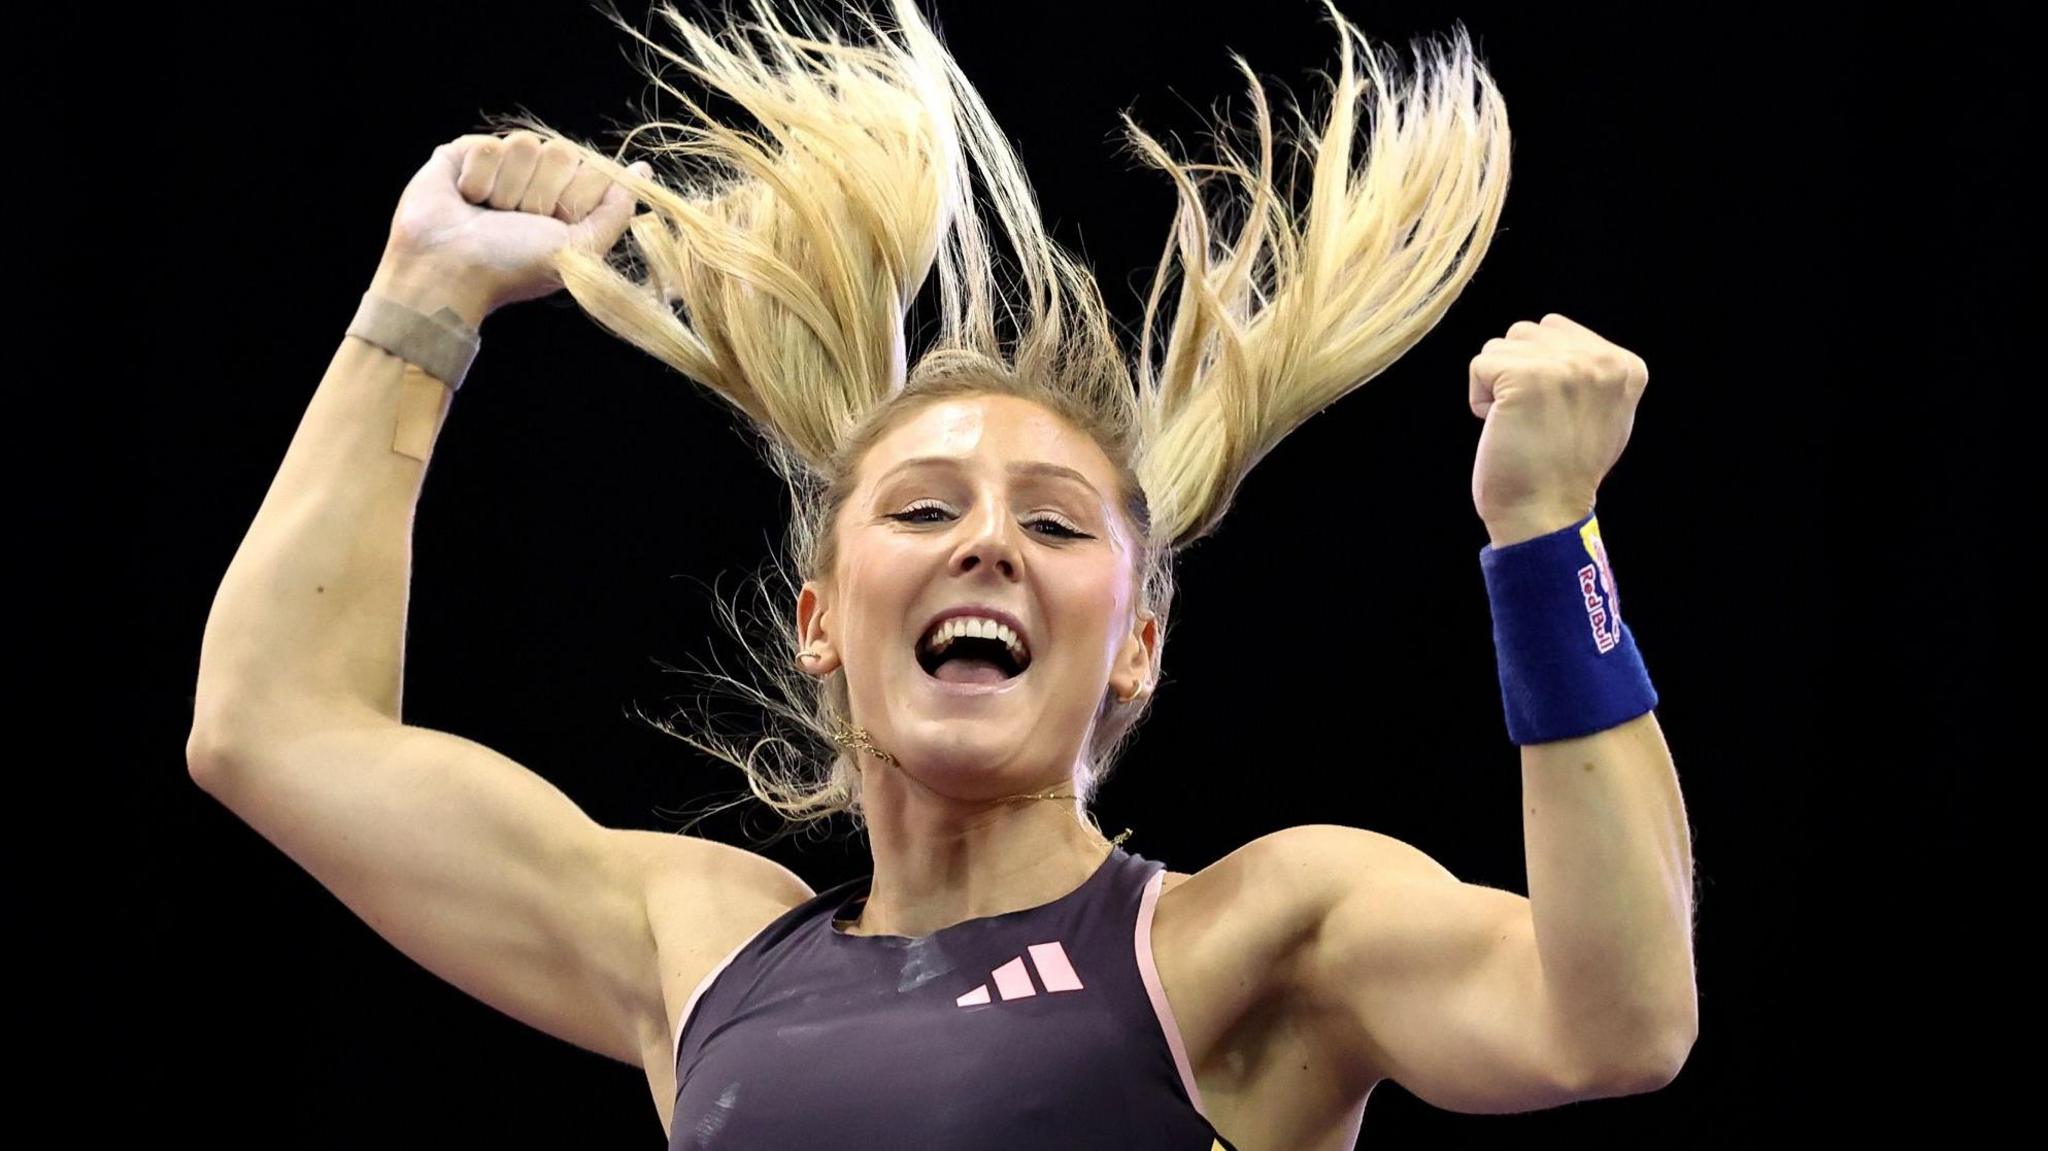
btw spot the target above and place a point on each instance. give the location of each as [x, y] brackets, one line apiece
[938, 862]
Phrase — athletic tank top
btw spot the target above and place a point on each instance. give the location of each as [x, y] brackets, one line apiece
[1038, 1028]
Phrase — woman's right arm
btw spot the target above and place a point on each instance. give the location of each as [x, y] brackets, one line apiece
[472, 865]
[310, 617]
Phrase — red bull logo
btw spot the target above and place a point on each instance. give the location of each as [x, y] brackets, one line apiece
[1596, 584]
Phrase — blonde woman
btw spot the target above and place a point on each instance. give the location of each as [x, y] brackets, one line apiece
[979, 589]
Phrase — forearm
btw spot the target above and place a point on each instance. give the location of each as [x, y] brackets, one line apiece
[1610, 869]
[1610, 888]
[310, 614]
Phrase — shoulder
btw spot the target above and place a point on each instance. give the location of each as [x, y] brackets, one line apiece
[1279, 884]
[706, 875]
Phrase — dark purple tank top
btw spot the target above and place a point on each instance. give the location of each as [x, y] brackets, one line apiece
[1038, 1028]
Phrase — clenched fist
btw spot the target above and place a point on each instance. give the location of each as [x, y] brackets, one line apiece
[492, 212]
[1559, 401]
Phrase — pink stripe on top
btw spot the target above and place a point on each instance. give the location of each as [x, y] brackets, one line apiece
[1149, 972]
[675, 1046]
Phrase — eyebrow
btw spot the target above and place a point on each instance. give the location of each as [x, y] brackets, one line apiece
[1028, 468]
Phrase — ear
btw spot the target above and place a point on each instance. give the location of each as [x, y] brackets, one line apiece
[1135, 658]
[813, 614]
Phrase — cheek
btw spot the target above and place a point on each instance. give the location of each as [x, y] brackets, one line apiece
[1092, 602]
[875, 589]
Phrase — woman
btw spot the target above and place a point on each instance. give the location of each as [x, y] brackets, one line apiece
[982, 548]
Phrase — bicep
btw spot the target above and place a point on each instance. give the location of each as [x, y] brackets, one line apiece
[468, 863]
[1431, 982]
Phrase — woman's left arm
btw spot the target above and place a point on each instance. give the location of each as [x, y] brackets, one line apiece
[1609, 849]
[1481, 1001]
[1475, 999]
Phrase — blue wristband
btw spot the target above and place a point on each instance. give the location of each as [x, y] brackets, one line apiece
[1568, 665]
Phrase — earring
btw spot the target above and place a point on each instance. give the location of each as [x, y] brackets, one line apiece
[805, 655]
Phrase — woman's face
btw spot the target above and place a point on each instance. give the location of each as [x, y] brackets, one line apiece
[991, 503]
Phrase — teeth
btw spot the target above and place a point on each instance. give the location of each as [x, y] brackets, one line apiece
[978, 628]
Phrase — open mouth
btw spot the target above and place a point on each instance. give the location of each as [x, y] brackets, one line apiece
[964, 649]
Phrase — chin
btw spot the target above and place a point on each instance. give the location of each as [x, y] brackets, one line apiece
[961, 740]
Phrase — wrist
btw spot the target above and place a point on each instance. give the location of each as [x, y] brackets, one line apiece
[427, 287]
[1568, 665]
[1526, 524]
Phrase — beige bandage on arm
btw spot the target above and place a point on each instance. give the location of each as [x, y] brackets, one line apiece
[422, 401]
[437, 349]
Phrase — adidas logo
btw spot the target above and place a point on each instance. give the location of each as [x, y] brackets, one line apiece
[1012, 983]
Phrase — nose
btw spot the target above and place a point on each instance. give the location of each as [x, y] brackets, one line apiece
[988, 543]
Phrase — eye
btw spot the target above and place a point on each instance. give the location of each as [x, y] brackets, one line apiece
[930, 513]
[1061, 528]
[910, 514]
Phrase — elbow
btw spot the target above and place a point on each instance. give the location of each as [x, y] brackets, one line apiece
[207, 744]
[1655, 1068]
[1647, 1061]
[219, 739]
[205, 757]
[1677, 1051]
[226, 735]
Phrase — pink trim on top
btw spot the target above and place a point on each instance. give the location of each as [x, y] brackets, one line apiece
[675, 1044]
[1149, 972]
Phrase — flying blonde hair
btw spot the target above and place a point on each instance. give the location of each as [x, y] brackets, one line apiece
[795, 253]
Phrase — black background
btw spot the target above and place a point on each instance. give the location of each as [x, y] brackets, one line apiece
[1738, 197]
